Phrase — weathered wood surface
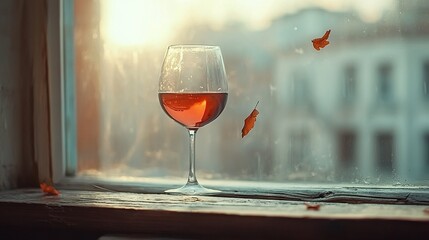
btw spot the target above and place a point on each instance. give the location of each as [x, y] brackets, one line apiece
[207, 216]
[414, 195]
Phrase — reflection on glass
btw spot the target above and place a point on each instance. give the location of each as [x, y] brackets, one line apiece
[306, 131]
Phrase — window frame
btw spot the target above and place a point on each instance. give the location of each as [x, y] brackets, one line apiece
[56, 88]
[63, 142]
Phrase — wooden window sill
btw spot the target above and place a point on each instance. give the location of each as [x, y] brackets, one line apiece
[93, 214]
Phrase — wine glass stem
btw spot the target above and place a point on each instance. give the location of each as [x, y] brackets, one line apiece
[192, 177]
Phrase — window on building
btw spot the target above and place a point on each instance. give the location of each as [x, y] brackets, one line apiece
[426, 150]
[385, 152]
[113, 55]
[300, 90]
[385, 83]
[299, 152]
[426, 80]
[346, 144]
[349, 84]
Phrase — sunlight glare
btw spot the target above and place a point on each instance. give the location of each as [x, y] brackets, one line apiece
[135, 22]
[153, 22]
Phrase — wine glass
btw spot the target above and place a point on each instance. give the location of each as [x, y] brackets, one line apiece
[193, 91]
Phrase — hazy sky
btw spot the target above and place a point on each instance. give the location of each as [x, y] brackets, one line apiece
[144, 21]
[259, 13]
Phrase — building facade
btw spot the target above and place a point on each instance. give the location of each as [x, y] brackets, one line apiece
[358, 109]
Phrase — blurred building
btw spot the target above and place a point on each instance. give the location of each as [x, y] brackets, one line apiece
[358, 110]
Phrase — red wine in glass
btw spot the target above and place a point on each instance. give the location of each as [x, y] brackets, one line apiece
[193, 110]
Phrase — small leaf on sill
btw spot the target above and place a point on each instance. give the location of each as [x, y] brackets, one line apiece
[49, 190]
[313, 207]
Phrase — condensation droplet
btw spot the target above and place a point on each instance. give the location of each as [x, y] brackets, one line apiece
[299, 50]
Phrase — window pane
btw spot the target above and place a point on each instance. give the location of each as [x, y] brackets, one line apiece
[323, 114]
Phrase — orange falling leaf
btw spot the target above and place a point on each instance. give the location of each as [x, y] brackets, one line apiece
[49, 190]
[249, 122]
[314, 207]
[319, 43]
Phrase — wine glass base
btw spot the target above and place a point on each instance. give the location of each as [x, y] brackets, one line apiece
[192, 189]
